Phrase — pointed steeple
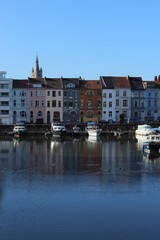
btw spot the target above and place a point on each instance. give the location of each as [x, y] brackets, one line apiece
[36, 72]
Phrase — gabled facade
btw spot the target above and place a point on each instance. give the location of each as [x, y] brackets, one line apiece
[151, 101]
[20, 101]
[137, 99]
[108, 99]
[54, 99]
[37, 100]
[70, 100]
[5, 99]
[90, 101]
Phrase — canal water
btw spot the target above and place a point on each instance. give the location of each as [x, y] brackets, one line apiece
[78, 188]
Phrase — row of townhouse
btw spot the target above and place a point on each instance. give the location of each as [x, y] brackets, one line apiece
[74, 100]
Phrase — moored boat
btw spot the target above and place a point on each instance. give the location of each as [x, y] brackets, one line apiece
[58, 128]
[19, 129]
[93, 130]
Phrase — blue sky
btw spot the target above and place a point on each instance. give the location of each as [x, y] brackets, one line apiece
[86, 38]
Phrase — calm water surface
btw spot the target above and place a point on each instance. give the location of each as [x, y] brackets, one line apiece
[78, 189]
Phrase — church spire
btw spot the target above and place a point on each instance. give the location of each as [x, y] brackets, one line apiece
[36, 72]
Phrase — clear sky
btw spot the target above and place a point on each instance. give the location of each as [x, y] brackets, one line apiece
[86, 38]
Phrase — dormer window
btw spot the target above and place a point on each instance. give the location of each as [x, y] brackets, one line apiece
[70, 85]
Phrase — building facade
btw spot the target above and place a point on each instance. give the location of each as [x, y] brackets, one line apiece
[20, 101]
[90, 101]
[70, 100]
[137, 99]
[5, 99]
[54, 100]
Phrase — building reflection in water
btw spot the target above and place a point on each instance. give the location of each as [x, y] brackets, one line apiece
[117, 160]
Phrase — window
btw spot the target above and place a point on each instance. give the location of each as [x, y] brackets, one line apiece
[22, 93]
[104, 104]
[149, 103]
[65, 103]
[37, 93]
[125, 113]
[89, 103]
[59, 103]
[42, 93]
[59, 93]
[117, 93]
[81, 104]
[149, 94]
[136, 104]
[48, 93]
[98, 103]
[149, 113]
[42, 103]
[65, 94]
[37, 103]
[110, 114]
[14, 93]
[142, 94]
[89, 93]
[81, 93]
[135, 114]
[70, 103]
[155, 94]
[22, 103]
[142, 104]
[31, 94]
[89, 114]
[117, 103]
[4, 103]
[14, 103]
[22, 114]
[48, 103]
[39, 114]
[104, 95]
[124, 94]
[53, 93]
[53, 103]
[125, 103]
[110, 104]
[110, 95]
[155, 103]
[70, 85]
[31, 104]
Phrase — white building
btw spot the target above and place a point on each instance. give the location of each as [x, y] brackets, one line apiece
[108, 99]
[5, 99]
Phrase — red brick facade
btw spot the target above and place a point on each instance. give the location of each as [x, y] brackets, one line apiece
[90, 101]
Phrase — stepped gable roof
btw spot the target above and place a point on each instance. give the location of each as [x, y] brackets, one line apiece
[34, 81]
[107, 82]
[136, 83]
[54, 83]
[20, 83]
[91, 84]
[65, 81]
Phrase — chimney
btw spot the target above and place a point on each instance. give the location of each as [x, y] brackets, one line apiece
[155, 78]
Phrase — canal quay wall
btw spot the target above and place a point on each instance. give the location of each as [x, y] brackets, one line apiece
[43, 129]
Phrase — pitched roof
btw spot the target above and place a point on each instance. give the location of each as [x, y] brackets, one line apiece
[20, 83]
[32, 81]
[55, 83]
[136, 83]
[65, 81]
[92, 84]
[107, 82]
[149, 84]
[116, 82]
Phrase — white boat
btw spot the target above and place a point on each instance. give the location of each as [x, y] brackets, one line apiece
[76, 130]
[58, 128]
[144, 130]
[93, 130]
[19, 129]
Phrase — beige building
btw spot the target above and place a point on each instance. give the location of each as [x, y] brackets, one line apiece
[54, 99]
